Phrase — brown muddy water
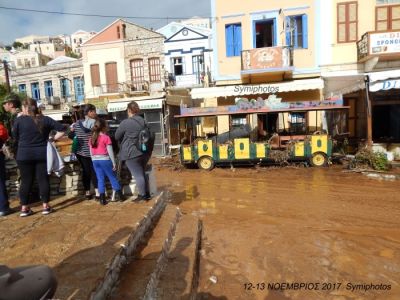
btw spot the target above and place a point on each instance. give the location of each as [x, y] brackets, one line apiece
[292, 233]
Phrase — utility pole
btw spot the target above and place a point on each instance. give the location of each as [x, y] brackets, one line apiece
[369, 112]
[5, 65]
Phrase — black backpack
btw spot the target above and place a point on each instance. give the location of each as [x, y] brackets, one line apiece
[145, 139]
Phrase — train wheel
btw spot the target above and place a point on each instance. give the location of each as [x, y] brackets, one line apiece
[206, 163]
[319, 159]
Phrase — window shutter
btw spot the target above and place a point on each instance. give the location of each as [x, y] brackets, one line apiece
[229, 40]
[237, 40]
[341, 20]
[395, 17]
[95, 75]
[382, 18]
[305, 30]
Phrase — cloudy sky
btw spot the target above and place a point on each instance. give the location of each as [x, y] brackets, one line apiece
[14, 24]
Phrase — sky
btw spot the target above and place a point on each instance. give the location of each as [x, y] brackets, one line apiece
[15, 24]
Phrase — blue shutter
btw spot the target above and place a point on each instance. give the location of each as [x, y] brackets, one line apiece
[275, 41]
[287, 31]
[229, 40]
[238, 40]
[305, 31]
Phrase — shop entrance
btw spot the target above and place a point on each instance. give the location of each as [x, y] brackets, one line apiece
[386, 123]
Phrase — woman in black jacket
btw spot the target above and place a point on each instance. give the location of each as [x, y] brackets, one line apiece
[31, 132]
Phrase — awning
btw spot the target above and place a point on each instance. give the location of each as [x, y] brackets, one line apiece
[143, 104]
[258, 89]
[383, 81]
[338, 85]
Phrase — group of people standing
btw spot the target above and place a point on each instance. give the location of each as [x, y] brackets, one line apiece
[93, 148]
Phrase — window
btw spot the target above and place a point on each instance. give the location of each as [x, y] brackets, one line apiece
[265, 33]
[118, 33]
[177, 63]
[19, 62]
[35, 91]
[123, 31]
[137, 74]
[154, 69]
[112, 77]
[64, 85]
[296, 31]
[79, 89]
[95, 75]
[347, 22]
[238, 120]
[233, 39]
[387, 17]
[22, 88]
[48, 88]
[33, 62]
[297, 123]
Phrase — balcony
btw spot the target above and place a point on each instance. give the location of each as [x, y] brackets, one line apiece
[267, 61]
[381, 46]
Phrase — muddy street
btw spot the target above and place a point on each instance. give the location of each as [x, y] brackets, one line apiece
[292, 233]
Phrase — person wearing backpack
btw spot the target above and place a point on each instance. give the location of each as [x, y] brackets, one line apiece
[134, 150]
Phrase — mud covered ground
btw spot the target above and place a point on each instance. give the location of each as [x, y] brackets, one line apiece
[266, 231]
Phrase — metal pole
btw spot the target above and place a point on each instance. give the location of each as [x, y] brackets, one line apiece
[7, 76]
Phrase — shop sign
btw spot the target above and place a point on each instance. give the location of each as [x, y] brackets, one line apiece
[385, 85]
[143, 104]
[384, 42]
[271, 104]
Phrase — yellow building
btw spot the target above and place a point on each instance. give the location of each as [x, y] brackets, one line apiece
[310, 50]
[362, 53]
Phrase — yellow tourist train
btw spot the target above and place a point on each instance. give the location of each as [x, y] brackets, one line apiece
[253, 133]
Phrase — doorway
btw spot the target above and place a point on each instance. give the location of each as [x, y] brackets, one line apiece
[265, 33]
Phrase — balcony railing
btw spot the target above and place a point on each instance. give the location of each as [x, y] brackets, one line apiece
[267, 59]
[383, 44]
[120, 88]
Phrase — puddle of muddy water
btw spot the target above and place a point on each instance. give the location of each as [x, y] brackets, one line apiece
[292, 225]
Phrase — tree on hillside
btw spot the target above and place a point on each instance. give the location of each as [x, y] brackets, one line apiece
[17, 45]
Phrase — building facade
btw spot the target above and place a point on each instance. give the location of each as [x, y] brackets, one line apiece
[123, 62]
[55, 85]
[188, 54]
[361, 63]
[78, 38]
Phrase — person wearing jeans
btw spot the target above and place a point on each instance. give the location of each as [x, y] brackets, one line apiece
[31, 132]
[135, 159]
[103, 161]
[82, 129]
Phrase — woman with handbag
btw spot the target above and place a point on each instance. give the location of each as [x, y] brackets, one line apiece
[31, 132]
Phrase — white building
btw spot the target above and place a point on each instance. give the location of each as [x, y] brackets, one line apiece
[28, 59]
[78, 38]
[48, 49]
[32, 39]
[188, 54]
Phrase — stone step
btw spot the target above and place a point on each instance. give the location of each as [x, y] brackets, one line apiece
[179, 277]
[141, 273]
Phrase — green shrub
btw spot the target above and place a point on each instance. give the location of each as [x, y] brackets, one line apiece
[375, 160]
